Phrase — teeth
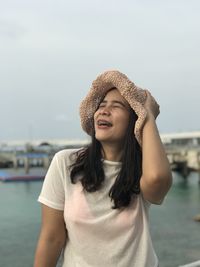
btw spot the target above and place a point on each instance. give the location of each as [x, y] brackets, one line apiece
[106, 123]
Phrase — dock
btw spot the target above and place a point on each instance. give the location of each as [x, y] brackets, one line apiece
[182, 149]
[184, 159]
[19, 162]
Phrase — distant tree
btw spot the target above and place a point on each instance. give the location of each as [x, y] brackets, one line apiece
[29, 147]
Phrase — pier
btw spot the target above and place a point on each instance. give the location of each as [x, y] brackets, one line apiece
[183, 151]
[25, 159]
[21, 161]
[184, 159]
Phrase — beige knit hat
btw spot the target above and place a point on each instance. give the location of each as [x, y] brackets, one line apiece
[134, 95]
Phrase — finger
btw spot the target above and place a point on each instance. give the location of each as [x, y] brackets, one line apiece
[147, 92]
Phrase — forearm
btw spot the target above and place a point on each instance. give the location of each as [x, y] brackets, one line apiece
[155, 164]
[47, 253]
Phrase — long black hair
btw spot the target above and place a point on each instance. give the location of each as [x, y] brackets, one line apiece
[88, 168]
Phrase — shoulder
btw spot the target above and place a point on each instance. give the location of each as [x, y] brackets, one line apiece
[67, 156]
[65, 153]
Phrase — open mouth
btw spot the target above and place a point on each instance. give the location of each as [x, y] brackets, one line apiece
[104, 123]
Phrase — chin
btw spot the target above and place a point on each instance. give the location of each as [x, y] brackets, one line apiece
[101, 138]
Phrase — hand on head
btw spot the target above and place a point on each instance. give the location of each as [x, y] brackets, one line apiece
[151, 105]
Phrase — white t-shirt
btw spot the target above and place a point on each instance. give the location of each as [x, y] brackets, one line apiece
[97, 234]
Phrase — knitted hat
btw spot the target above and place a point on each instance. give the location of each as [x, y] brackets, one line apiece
[134, 95]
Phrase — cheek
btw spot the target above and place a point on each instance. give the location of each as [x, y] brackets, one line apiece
[123, 123]
[124, 119]
[95, 118]
[95, 115]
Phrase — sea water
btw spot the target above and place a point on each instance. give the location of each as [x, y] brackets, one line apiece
[176, 236]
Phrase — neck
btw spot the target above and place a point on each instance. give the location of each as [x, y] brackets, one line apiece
[112, 152]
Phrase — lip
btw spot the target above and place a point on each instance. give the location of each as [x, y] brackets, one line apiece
[99, 126]
[104, 121]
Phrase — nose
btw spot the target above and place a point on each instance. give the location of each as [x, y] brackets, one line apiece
[104, 111]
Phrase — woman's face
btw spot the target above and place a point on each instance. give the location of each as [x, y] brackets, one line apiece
[112, 118]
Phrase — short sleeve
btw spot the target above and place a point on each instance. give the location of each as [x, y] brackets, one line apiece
[53, 191]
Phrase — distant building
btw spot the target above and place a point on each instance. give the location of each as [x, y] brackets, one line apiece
[184, 138]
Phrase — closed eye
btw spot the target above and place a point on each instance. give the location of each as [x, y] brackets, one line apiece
[117, 106]
[102, 105]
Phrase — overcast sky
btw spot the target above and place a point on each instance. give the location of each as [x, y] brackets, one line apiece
[51, 51]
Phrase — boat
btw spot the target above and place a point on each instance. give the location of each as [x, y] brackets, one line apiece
[21, 178]
[12, 175]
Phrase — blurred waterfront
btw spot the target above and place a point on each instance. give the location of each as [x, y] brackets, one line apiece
[175, 235]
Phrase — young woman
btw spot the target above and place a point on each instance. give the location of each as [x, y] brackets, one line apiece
[95, 200]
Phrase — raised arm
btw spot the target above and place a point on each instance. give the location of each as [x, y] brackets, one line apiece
[52, 238]
[156, 174]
